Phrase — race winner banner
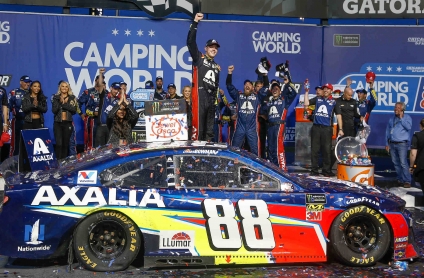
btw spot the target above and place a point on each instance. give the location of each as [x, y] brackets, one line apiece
[394, 54]
[134, 50]
[166, 120]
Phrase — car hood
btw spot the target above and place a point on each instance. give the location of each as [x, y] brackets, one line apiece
[349, 193]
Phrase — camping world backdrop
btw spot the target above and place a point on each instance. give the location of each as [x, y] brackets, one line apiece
[50, 48]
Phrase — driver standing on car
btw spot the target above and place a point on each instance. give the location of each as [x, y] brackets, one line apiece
[205, 83]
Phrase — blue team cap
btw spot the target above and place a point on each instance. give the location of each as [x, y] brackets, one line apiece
[26, 79]
[115, 85]
[247, 80]
[362, 91]
[149, 85]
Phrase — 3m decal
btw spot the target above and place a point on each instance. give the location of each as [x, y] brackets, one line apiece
[223, 229]
[313, 215]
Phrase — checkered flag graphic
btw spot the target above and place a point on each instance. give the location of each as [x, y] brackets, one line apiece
[162, 8]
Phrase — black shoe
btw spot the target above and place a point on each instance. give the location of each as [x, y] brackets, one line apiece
[313, 173]
[420, 221]
[329, 174]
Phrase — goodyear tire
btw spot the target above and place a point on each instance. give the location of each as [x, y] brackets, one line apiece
[360, 236]
[107, 241]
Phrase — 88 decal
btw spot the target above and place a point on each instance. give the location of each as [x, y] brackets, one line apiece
[223, 229]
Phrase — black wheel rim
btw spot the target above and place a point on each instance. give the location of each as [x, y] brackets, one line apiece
[361, 234]
[107, 239]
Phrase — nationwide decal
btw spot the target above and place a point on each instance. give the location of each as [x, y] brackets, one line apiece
[34, 233]
[87, 177]
[276, 42]
[46, 195]
[351, 201]
[208, 152]
[394, 83]
[176, 239]
[4, 32]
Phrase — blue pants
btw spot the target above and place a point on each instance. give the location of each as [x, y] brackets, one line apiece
[72, 141]
[276, 145]
[251, 136]
[399, 154]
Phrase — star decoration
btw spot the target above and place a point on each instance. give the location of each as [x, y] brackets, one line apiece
[151, 33]
[379, 68]
[127, 32]
[389, 69]
[115, 32]
[369, 68]
[398, 69]
[139, 33]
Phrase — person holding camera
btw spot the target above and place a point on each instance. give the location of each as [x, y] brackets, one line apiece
[397, 139]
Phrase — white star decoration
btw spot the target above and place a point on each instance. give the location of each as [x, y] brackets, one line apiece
[127, 32]
[398, 69]
[369, 68]
[139, 33]
[379, 68]
[389, 69]
[114, 32]
[151, 33]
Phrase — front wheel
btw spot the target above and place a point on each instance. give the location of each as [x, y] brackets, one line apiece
[107, 241]
[360, 236]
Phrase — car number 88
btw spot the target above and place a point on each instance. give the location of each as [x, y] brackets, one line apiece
[223, 229]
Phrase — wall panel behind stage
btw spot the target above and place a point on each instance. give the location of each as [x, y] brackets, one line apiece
[50, 48]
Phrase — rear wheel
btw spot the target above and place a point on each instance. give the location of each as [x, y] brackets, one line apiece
[107, 241]
[360, 236]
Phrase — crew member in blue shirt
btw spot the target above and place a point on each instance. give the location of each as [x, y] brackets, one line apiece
[322, 129]
[397, 138]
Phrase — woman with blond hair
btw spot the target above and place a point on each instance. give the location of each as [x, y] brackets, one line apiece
[187, 98]
[64, 107]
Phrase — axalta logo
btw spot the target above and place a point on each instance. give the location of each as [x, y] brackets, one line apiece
[93, 196]
[87, 177]
[176, 240]
[276, 42]
[34, 234]
[40, 151]
[4, 32]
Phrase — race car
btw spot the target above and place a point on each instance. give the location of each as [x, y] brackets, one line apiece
[195, 203]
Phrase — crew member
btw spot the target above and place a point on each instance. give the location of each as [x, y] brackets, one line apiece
[347, 110]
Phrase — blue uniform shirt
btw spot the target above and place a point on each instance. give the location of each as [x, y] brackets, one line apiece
[15, 103]
[324, 110]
